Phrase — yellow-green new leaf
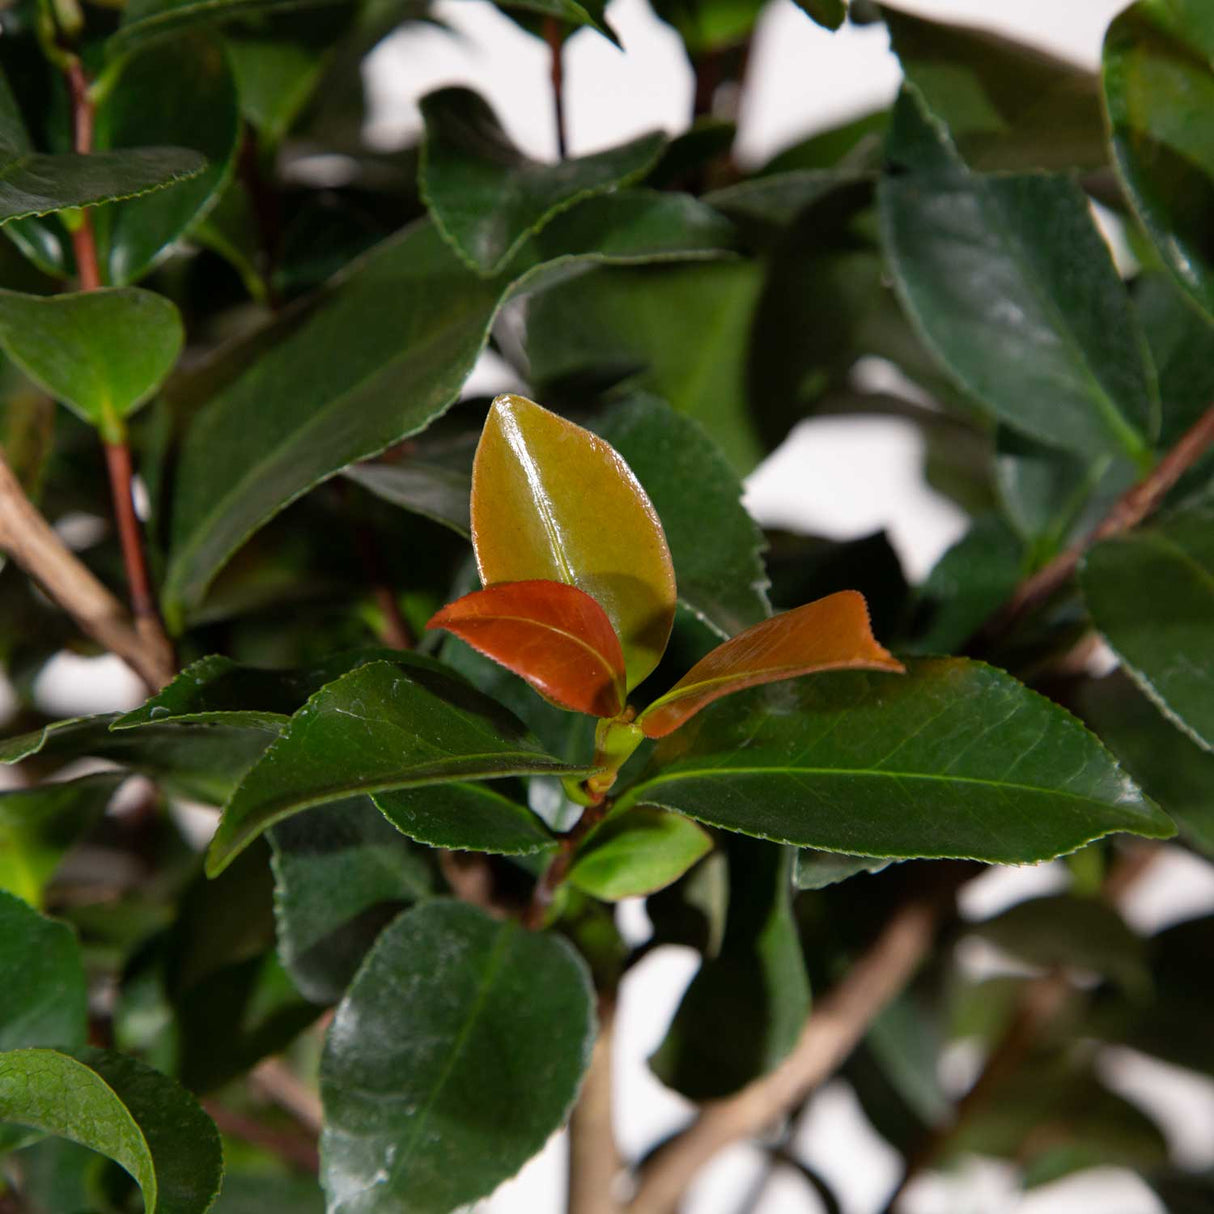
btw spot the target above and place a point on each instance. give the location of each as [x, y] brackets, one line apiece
[551, 500]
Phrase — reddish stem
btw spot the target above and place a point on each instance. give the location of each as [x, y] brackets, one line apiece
[554, 35]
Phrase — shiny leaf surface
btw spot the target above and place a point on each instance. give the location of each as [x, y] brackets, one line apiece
[954, 758]
[380, 727]
[467, 817]
[294, 416]
[831, 634]
[487, 197]
[425, 1110]
[123, 1109]
[636, 853]
[43, 993]
[103, 353]
[1014, 291]
[1151, 593]
[552, 634]
[551, 500]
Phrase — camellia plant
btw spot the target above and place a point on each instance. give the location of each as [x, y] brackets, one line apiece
[331, 920]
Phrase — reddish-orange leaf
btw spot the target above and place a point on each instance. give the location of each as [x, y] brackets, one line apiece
[831, 634]
[554, 635]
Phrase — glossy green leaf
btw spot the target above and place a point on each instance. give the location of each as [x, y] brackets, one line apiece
[295, 416]
[551, 634]
[34, 183]
[573, 12]
[341, 873]
[828, 13]
[467, 817]
[774, 200]
[113, 1104]
[1151, 593]
[43, 994]
[380, 727]
[1158, 93]
[1014, 291]
[219, 691]
[696, 493]
[1007, 105]
[635, 853]
[681, 333]
[424, 1108]
[1170, 767]
[541, 490]
[39, 825]
[143, 19]
[746, 1007]
[103, 353]
[832, 634]
[954, 758]
[819, 869]
[487, 197]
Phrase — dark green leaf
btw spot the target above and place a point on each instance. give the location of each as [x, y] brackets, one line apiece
[745, 1008]
[115, 1105]
[341, 872]
[297, 415]
[819, 869]
[455, 1054]
[1158, 93]
[1169, 767]
[487, 197]
[467, 817]
[1015, 292]
[636, 853]
[143, 19]
[1007, 106]
[43, 995]
[39, 825]
[954, 758]
[381, 727]
[1151, 592]
[103, 353]
[693, 910]
[774, 200]
[695, 493]
[1067, 930]
[1182, 1192]
[828, 13]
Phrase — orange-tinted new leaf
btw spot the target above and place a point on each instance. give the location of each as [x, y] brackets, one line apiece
[553, 635]
[830, 634]
[551, 500]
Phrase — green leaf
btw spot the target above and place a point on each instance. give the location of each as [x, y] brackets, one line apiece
[1006, 105]
[775, 200]
[1158, 94]
[296, 416]
[828, 13]
[487, 197]
[381, 727]
[636, 853]
[466, 817]
[43, 994]
[217, 690]
[39, 825]
[954, 758]
[456, 1052]
[1170, 768]
[33, 183]
[142, 19]
[341, 873]
[103, 353]
[591, 13]
[125, 1110]
[696, 493]
[1014, 291]
[681, 333]
[746, 1007]
[1067, 930]
[1151, 593]
[820, 869]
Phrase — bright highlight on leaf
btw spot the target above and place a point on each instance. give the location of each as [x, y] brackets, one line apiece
[550, 500]
[554, 635]
[830, 634]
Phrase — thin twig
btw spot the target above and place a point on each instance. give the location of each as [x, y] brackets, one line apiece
[594, 1158]
[84, 242]
[558, 867]
[1128, 511]
[31, 541]
[294, 1149]
[838, 1022]
[554, 35]
[277, 1081]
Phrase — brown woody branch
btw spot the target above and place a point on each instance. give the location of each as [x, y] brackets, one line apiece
[594, 1159]
[1128, 511]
